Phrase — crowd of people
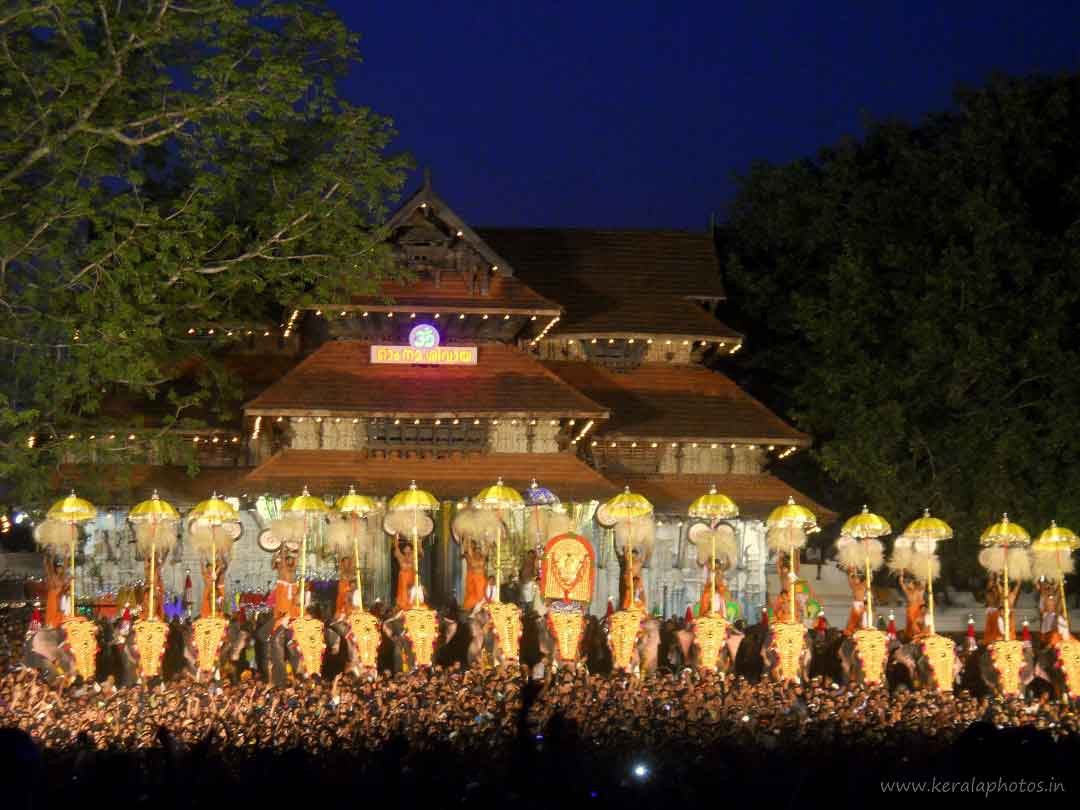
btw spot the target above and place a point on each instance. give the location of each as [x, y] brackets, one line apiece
[493, 735]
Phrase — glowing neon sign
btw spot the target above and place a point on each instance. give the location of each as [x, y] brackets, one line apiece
[424, 350]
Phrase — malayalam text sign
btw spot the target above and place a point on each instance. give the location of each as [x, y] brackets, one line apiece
[435, 356]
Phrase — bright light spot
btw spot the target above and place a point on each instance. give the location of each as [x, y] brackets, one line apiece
[641, 771]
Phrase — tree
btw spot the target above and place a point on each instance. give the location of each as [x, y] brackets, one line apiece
[164, 165]
[917, 295]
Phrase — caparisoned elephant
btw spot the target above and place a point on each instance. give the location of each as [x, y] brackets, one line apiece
[46, 653]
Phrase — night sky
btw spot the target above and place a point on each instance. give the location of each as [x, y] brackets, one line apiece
[629, 114]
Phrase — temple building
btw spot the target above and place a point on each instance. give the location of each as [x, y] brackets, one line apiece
[586, 360]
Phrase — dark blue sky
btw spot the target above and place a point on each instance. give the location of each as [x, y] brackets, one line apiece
[639, 114]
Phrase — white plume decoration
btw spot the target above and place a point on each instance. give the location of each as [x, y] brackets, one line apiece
[786, 539]
[346, 533]
[919, 563]
[1051, 564]
[993, 560]
[159, 535]
[56, 534]
[404, 522]
[641, 530]
[208, 539]
[727, 547]
[852, 553]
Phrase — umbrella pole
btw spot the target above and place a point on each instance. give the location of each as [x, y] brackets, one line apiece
[416, 557]
[1005, 594]
[1063, 610]
[930, 592]
[712, 571]
[356, 562]
[152, 555]
[303, 569]
[498, 562]
[74, 535]
[869, 590]
[791, 583]
[213, 572]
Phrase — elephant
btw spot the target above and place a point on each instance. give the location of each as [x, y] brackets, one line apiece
[238, 635]
[980, 677]
[850, 666]
[274, 651]
[46, 653]
[771, 659]
[645, 655]
[1048, 668]
[404, 657]
[909, 664]
[683, 650]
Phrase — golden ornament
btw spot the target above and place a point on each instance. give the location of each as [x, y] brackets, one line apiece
[940, 655]
[1007, 658]
[871, 646]
[81, 637]
[310, 639]
[208, 634]
[789, 641]
[623, 635]
[506, 622]
[568, 628]
[150, 638]
[710, 635]
[422, 631]
[365, 634]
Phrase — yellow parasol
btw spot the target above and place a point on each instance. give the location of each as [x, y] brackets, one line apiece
[1058, 540]
[714, 507]
[792, 516]
[862, 527]
[414, 500]
[154, 512]
[1004, 534]
[215, 511]
[304, 506]
[72, 510]
[628, 505]
[498, 498]
[355, 507]
[928, 529]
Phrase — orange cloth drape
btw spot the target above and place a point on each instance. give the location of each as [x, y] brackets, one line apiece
[475, 586]
[406, 579]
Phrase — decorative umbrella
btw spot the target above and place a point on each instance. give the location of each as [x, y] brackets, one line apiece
[155, 523]
[305, 505]
[498, 498]
[71, 511]
[791, 516]
[1052, 543]
[355, 507]
[626, 506]
[714, 507]
[414, 500]
[865, 528]
[214, 513]
[927, 530]
[81, 633]
[1005, 535]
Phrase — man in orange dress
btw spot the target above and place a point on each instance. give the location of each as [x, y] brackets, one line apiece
[286, 597]
[1053, 626]
[857, 615]
[994, 629]
[213, 589]
[407, 591]
[56, 586]
[915, 593]
[346, 587]
[475, 573]
[714, 602]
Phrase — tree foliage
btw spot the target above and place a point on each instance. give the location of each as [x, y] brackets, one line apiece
[164, 164]
[916, 294]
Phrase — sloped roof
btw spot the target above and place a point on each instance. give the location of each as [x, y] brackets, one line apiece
[756, 495]
[339, 379]
[334, 471]
[641, 282]
[685, 402]
[505, 294]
